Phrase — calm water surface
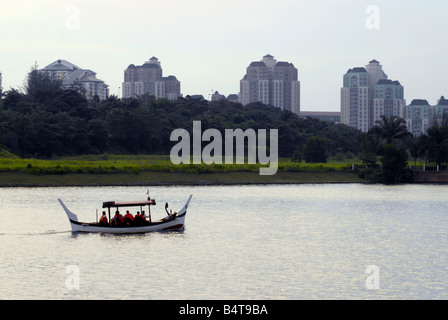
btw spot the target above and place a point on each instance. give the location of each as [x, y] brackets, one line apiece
[240, 242]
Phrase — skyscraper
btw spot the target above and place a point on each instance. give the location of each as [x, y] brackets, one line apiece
[376, 73]
[355, 99]
[271, 82]
[367, 94]
[388, 100]
[418, 116]
[148, 79]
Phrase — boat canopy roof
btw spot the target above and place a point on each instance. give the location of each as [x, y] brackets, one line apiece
[110, 204]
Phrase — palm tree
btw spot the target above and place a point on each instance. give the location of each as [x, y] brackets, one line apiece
[391, 133]
[391, 130]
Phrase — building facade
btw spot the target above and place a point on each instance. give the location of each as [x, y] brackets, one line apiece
[367, 94]
[272, 83]
[148, 79]
[72, 76]
[355, 99]
[388, 100]
[440, 112]
[418, 116]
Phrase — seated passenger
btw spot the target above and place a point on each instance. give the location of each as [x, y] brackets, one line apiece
[103, 219]
[128, 218]
[138, 220]
[118, 219]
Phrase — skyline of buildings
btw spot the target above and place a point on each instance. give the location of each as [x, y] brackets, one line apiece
[365, 96]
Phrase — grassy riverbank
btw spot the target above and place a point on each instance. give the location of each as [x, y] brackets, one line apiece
[158, 170]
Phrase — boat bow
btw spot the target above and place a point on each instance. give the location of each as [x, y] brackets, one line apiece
[184, 209]
[71, 216]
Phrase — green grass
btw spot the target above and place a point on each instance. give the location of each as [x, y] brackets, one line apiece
[108, 169]
[135, 164]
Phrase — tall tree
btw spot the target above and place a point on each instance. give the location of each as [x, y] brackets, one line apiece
[38, 82]
[392, 134]
[391, 130]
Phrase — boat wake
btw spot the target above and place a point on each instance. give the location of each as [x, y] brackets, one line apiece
[49, 232]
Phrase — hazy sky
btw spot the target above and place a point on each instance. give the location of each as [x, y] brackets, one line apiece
[207, 44]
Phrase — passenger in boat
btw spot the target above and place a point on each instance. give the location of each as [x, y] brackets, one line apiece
[143, 215]
[128, 218]
[138, 220]
[118, 219]
[103, 219]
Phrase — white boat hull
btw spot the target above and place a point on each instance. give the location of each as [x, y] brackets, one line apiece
[168, 223]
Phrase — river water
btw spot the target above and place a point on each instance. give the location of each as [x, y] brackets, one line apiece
[331, 241]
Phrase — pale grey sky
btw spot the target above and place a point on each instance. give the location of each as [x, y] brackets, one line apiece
[207, 44]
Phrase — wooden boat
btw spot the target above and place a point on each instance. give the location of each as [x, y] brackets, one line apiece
[173, 221]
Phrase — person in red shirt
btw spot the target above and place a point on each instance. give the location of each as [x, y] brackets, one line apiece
[118, 219]
[103, 219]
[128, 218]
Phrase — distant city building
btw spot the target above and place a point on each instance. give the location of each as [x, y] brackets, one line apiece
[197, 97]
[367, 94]
[233, 98]
[217, 96]
[73, 76]
[440, 111]
[355, 99]
[1, 84]
[148, 79]
[376, 73]
[388, 100]
[273, 83]
[418, 116]
[334, 117]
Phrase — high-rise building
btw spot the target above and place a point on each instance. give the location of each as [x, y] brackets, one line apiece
[418, 116]
[72, 76]
[367, 94]
[388, 100]
[148, 79]
[1, 84]
[355, 99]
[271, 82]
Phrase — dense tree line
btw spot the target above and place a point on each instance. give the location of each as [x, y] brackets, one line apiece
[45, 121]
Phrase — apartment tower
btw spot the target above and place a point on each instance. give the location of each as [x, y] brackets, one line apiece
[367, 94]
[148, 79]
[271, 82]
